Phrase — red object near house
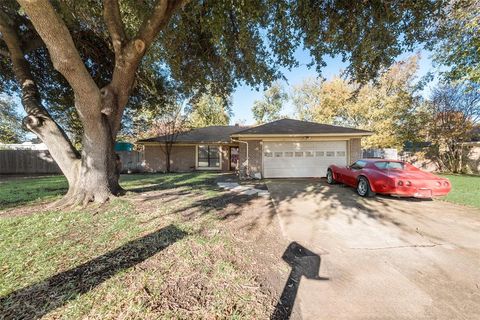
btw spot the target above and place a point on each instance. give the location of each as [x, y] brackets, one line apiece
[392, 177]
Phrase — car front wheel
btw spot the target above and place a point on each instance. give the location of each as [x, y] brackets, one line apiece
[363, 188]
[330, 179]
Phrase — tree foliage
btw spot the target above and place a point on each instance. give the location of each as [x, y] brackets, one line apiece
[269, 108]
[385, 107]
[228, 43]
[11, 130]
[209, 110]
[458, 42]
[450, 117]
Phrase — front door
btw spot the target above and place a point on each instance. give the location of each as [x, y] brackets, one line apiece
[234, 157]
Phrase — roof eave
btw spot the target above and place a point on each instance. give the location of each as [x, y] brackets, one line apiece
[272, 135]
[183, 142]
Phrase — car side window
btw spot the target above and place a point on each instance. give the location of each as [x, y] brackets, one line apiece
[358, 165]
[381, 164]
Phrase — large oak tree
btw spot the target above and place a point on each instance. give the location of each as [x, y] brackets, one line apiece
[92, 52]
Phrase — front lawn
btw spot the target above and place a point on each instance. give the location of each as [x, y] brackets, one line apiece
[21, 191]
[166, 250]
[465, 190]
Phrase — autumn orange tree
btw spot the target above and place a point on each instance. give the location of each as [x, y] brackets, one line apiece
[387, 107]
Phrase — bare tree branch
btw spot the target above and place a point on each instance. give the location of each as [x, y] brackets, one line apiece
[113, 20]
[64, 55]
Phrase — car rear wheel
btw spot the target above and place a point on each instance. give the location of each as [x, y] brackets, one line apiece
[330, 179]
[363, 188]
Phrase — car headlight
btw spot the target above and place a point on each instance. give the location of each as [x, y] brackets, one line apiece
[445, 183]
[439, 184]
[400, 183]
[408, 183]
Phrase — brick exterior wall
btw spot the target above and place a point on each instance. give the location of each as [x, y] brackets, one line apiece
[255, 158]
[355, 152]
[182, 159]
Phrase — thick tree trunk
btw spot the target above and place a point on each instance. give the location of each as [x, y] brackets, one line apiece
[96, 177]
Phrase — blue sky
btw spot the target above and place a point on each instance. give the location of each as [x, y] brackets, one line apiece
[244, 96]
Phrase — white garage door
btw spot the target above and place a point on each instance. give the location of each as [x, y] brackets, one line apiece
[302, 159]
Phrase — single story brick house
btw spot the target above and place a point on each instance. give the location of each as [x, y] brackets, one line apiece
[278, 149]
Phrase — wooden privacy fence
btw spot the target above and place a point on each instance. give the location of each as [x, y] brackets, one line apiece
[131, 161]
[27, 162]
[41, 162]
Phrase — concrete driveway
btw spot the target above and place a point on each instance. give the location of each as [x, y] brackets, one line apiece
[382, 257]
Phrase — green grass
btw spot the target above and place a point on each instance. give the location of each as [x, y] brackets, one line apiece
[165, 257]
[22, 191]
[465, 190]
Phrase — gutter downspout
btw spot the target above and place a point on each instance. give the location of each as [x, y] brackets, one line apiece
[247, 172]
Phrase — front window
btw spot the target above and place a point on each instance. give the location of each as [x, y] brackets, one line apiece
[208, 157]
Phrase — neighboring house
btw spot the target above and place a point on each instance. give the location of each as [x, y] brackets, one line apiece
[279, 149]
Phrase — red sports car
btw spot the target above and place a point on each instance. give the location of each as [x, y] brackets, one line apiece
[391, 177]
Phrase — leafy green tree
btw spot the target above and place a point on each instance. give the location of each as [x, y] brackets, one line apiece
[11, 130]
[458, 42]
[87, 54]
[270, 107]
[321, 101]
[209, 110]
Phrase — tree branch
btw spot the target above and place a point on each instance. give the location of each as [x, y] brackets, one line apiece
[113, 19]
[161, 14]
[64, 55]
[132, 53]
[38, 119]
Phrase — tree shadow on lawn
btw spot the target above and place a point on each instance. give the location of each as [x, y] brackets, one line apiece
[156, 182]
[38, 299]
[36, 190]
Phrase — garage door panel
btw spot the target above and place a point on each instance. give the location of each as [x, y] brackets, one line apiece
[302, 158]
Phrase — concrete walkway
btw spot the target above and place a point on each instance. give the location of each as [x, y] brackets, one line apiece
[382, 257]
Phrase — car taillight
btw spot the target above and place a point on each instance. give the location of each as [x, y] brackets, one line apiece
[408, 183]
[400, 183]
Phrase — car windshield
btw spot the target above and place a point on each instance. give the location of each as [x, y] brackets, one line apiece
[390, 165]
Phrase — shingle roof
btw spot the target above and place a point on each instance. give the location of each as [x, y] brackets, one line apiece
[213, 134]
[222, 134]
[290, 126]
